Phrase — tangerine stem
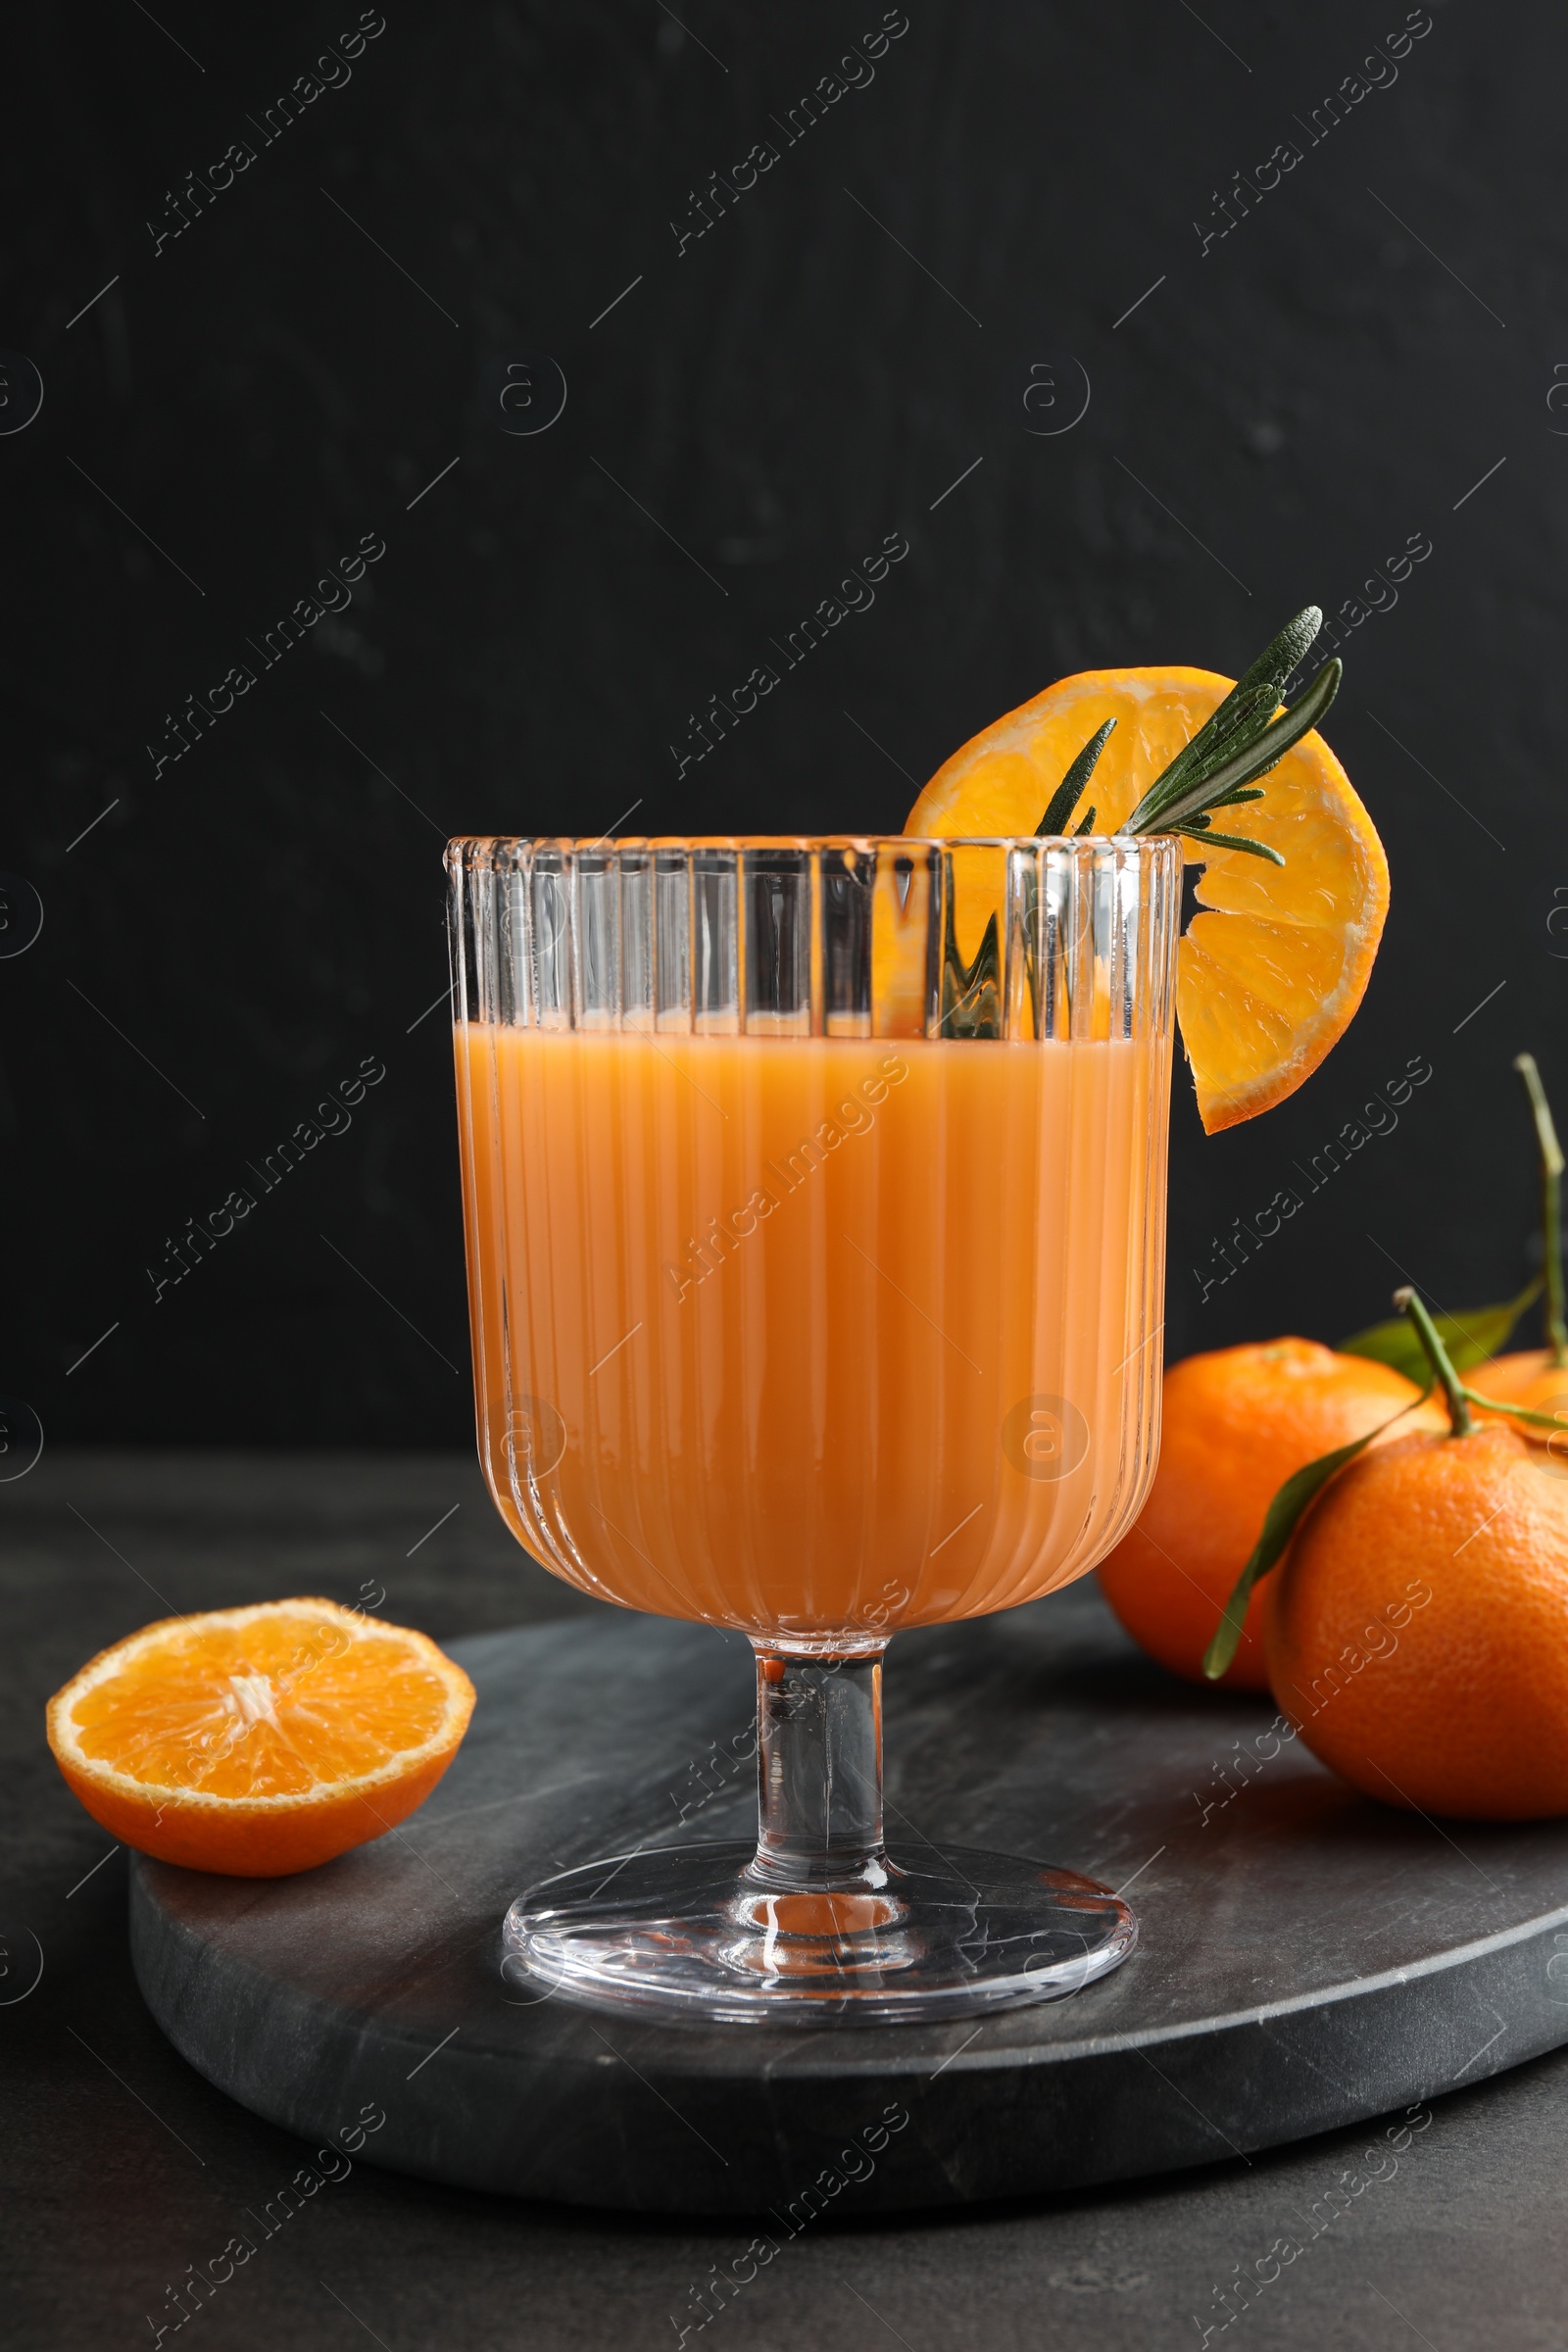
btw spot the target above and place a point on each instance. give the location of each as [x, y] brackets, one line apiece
[1516, 1413]
[1551, 1166]
[1437, 1355]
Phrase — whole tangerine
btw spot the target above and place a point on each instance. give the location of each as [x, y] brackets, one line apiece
[1418, 1630]
[1237, 1422]
[1508, 1377]
[1534, 1380]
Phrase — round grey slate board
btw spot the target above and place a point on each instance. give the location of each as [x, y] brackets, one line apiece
[1308, 1958]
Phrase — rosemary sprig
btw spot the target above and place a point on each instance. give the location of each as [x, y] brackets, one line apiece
[1250, 754]
[971, 993]
[1064, 800]
[1240, 721]
[1221, 767]
[1228, 841]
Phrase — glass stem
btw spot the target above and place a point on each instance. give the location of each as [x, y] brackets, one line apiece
[818, 1770]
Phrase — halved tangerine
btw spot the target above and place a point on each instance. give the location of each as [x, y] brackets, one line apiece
[259, 1740]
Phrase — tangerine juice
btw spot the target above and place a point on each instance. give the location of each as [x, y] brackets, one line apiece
[814, 1336]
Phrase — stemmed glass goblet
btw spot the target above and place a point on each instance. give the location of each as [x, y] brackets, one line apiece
[814, 1199]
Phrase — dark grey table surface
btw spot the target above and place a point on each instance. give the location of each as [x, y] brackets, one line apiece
[122, 2168]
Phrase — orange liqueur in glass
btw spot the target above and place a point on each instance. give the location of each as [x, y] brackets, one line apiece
[814, 1199]
[817, 1330]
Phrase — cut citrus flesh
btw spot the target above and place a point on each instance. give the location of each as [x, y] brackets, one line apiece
[259, 1740]
[1270, 976]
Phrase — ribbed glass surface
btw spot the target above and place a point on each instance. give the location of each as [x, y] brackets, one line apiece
[814, 1198]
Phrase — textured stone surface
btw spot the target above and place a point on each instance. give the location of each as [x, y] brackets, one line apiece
[1308, 1959]
[122, 2166]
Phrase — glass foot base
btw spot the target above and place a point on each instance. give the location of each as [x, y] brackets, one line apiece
[695, 1932]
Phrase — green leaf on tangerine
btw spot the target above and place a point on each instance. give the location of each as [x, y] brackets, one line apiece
[1281, 1520]
[1470, 1337]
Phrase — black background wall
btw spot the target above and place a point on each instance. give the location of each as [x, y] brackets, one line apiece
[1377, 348]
